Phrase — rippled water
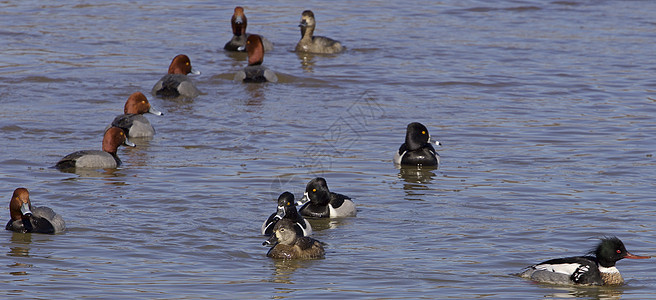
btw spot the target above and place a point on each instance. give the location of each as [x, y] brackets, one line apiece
[545, 110]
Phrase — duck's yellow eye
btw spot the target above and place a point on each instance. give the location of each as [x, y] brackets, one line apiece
[143, 101]
[120, 132]
[423, 132]
[288, 203]
[187, 63]
[314, 190]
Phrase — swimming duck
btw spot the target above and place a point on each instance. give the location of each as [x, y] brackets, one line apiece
[597, 268]
[315, 44]
[417, 149]
[323, 203]
[255, 71]
[288, 245]
[176, 83]
[287, 210]
[239, 23]
[133, 121]
[28, 218]
[97, 159]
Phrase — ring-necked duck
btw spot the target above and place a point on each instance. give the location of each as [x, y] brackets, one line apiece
[417, 149]
[287, 210]
[325, 204]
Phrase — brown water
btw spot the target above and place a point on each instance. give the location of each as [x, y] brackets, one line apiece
[545, 110]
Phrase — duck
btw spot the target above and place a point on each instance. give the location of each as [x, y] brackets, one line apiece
[320, 202]
[315, 44]
[596, 268]
[97, 159]
[286, 244]
[239, 35]
[133, 121]
[27, 218]
[176, 84]
[417, 149]
[255, 71]
[287, 210]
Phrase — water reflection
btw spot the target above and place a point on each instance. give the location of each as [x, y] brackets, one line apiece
[139, 155]
[588, 292]
[417, 175]
[283, 271]
[319, 224]
[20, 248]
[307, 61]
[83, 172]
[21, 242]
[416, 180]
[256, 94]
[238, 58]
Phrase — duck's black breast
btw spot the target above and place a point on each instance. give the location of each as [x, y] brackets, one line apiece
[315, 211]
[424, 156]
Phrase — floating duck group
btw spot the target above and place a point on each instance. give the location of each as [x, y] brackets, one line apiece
[288, 228]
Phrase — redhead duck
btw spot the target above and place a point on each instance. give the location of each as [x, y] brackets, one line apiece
[325, 204]
[287, 210]
[176, 83]
[597, 268]
[133, 121]
[28, 218]
[315, 44]
[288, 245]
[417, 149]
[255, 71]
[105, 159]
[239, 23]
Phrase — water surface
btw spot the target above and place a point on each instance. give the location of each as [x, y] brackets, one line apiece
[544, 109]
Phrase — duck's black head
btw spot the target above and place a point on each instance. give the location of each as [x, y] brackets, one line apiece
[610, 250]
[416, 136]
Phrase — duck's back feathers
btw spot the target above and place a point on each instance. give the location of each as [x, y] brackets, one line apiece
[169, 85]
[89, 159]
[136, 125]
[42, 220]
[303, 248]
[256, 74]
[569, 270]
